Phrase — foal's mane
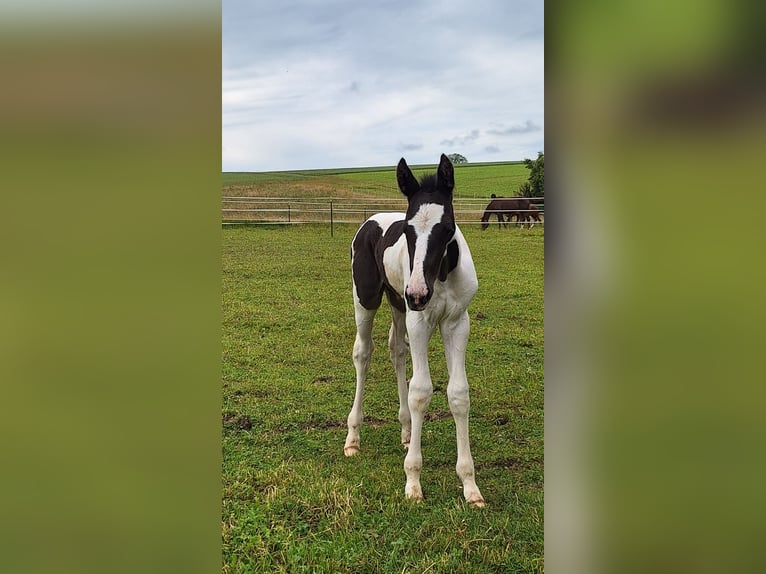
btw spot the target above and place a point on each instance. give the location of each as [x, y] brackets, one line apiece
[428, 182]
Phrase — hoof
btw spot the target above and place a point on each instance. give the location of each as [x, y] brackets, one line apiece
[415, 494]
[477, 502]
[351, 450]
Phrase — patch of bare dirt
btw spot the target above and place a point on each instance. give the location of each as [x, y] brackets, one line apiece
[236, 421]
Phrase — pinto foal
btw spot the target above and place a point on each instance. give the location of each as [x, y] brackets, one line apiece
[422, 263]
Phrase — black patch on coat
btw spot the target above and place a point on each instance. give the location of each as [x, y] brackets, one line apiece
[449, 261]
[364, 267]
[395, 300]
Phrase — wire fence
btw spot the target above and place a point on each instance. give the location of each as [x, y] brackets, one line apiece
[329, 210]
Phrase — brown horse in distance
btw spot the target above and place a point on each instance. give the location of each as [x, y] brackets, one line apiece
[506, 206]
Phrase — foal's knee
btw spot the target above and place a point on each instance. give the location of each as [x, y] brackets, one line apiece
[363, 350]
[419, 395]
[459, 400]
[397, 348]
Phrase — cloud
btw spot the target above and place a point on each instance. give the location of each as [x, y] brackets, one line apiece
[337, 84]
[492, 149]
[461, 140]
[528, 127]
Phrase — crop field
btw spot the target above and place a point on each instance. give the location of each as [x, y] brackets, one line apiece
[291, 501]
[471, 181]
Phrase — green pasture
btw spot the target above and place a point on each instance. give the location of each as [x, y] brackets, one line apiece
[471, 180]
[291, 501]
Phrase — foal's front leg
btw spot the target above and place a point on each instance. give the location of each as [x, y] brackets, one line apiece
[455, 336]
[418, 399]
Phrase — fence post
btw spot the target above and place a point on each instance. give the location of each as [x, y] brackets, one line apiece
[332, 232]
[288, 213]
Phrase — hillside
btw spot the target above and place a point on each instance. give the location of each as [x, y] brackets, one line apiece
[477, 180]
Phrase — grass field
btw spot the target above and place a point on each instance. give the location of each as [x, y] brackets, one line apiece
[291, 501]
[478, 180]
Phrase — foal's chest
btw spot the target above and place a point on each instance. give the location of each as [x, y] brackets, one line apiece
[395, 264]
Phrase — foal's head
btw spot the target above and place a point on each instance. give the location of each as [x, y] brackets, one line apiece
[429, 227]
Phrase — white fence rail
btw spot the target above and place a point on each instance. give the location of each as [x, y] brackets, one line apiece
[329, 211]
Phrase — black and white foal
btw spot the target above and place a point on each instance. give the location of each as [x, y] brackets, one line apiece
[422, 263]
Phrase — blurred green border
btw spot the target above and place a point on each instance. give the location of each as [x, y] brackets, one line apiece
[654, 212]
[110, 292]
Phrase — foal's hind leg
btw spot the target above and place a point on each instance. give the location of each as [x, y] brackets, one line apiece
[398, 349]
[363, 347]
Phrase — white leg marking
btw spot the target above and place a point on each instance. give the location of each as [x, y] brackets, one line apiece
[455, 337]
[398, 351]
[363, 347]
[418, 399]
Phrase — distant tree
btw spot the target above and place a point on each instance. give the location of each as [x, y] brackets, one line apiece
[536, 181]
[456, 158]
[525, 190]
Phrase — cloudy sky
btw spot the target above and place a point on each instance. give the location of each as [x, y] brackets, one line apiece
[345, 83]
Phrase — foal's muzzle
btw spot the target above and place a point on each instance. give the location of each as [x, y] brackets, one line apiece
[417, 302]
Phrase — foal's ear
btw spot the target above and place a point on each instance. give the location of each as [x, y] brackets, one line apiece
[407, 182]
[445, 175]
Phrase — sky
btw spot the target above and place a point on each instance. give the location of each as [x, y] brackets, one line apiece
[311, 84]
